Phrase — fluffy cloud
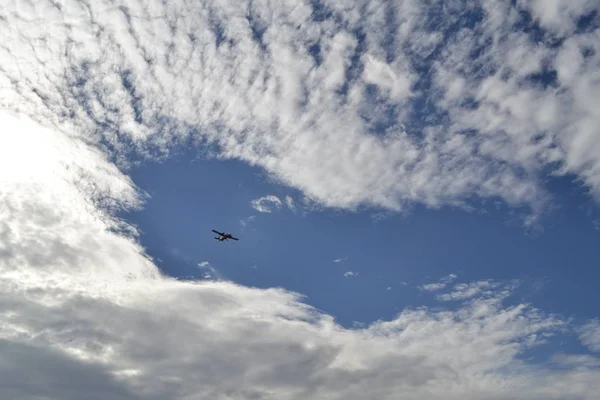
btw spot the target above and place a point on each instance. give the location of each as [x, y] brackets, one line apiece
[354, 103]
[332, 99]
[267, 204]
[85, 313]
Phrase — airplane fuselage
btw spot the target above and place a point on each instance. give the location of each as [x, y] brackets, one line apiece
[223, 236]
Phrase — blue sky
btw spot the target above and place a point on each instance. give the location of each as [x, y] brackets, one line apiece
[415, 186]
[296, 249]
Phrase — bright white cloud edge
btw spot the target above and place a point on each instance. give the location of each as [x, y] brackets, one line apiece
[88, 315]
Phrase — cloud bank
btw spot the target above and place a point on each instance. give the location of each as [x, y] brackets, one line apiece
[374, 103]
[86, 314]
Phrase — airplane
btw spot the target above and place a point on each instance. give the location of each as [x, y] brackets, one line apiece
[223, 236]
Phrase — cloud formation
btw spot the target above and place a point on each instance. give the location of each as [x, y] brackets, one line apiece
[375, 103]
[590, 335]
[463, 291]
[267, 204]
[432, 287]
[443, 282]
[210, 272]
[85, 313]
[289, 202]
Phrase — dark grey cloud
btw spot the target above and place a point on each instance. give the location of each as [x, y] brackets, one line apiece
[39, 372]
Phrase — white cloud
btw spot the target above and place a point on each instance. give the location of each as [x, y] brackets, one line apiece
[289, 202]
[448, 279]
[266, 83]
[203, 264]
[462, 291]
[576, 360]
[395, 84]
[590, 335]
[432, 287]
[244, 222]
[559, 16]
[266, 204]
[350, 273]
[85, 313]
[210, 272]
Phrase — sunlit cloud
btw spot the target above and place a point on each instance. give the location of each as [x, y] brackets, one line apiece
[329, 98]
[80, 295]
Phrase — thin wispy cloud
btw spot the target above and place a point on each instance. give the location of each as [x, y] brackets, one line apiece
[246, 221]
[432, 287]
[435, 286]
[267, 204]
[448, 279]
[590, 335]
[209, 272]
[349, 274]
[464, 291]
[289, 202]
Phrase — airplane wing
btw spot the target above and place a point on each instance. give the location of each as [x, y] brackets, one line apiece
[234, 238]
[218, 233]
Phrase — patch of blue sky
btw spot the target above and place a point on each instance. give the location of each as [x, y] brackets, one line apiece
[557, 266]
